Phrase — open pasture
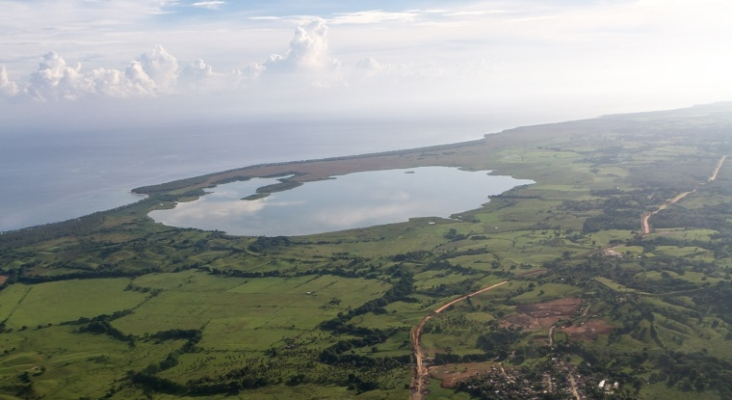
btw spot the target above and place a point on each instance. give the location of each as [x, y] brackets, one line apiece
[64, 301]
[240, 311]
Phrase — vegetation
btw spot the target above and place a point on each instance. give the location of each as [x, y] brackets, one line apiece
[115, 306]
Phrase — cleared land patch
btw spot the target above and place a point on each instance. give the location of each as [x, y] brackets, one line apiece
[62, 301]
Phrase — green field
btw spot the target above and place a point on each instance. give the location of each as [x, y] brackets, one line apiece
[63, 301]
[115, 306]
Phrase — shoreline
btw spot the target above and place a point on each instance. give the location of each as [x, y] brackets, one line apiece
[315, 169]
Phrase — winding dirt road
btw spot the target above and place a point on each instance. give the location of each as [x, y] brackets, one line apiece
[646, 227]
[551, 336]
[419, 380]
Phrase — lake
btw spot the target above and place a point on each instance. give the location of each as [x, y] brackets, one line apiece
[55, 174]
[355, 200]
[50, 176]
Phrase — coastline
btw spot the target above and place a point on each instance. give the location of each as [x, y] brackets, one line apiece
[449, 155]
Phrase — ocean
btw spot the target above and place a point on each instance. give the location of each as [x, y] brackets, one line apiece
[49, 176]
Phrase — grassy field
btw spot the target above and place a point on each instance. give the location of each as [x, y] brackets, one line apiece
[272, 306]
[113, 305]
[63, 301]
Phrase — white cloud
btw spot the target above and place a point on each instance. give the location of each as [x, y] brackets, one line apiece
[347, 217]
[160, 66]
[158, 73]
[153, 73]
[372, 17]
[7, 88]
[133, 82]
[308, 51]
[368, 66]
[198, 69]
[211, 5]
[197, 74]
[55, 80]
[472, 53]
[266, 18]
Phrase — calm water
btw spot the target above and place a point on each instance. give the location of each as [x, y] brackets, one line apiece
[350, 201]
[50, 175]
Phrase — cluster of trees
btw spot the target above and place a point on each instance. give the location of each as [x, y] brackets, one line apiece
[497, 342]
[175, 185]
[453, 236]
[612, 219]
[450, 289]
[707, 217]
[264, 243]
[29, 236]
[418, 256]
[715, 300]
[694, 371]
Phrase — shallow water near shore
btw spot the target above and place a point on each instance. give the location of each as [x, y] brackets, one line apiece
[350, 201]
[50, 175]
[53, 176]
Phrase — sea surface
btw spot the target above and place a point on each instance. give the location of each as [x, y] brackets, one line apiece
[49, 176]
[349, 201]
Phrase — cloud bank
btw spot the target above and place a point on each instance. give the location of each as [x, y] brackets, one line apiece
[225, 57]
[159, 73]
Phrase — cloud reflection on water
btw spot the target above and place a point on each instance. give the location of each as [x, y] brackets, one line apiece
[351, 201]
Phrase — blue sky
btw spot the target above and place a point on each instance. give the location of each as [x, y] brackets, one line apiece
[169, 60]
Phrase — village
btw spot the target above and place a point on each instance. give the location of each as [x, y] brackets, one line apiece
[557, 379]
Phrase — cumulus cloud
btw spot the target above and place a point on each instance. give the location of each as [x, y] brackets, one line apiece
[368, 65]
[153, 73]
[7, 88]
[196, 73]
[119, 84]
[56, 80]
[305, 70]
[308, 51]
[160, 66]
[158, 72]
[200, 77]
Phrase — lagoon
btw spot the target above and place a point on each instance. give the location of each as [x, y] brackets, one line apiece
[350, 201]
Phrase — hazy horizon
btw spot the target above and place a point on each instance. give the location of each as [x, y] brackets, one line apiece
[99, 97]
[135, 63]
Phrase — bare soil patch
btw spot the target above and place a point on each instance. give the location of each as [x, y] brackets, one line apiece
[541, 339]
[528, 323]
[421, 372]
[587, 330]
[609, 252]
[3, 279]
[542, 315]
[450, 375]
[555, 308]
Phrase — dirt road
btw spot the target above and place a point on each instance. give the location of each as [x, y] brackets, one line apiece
[646, 227]
[419, 379]
[551, 336]
[574, 387]
[716, 170]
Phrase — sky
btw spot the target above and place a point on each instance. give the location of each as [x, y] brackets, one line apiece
[88, 64]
